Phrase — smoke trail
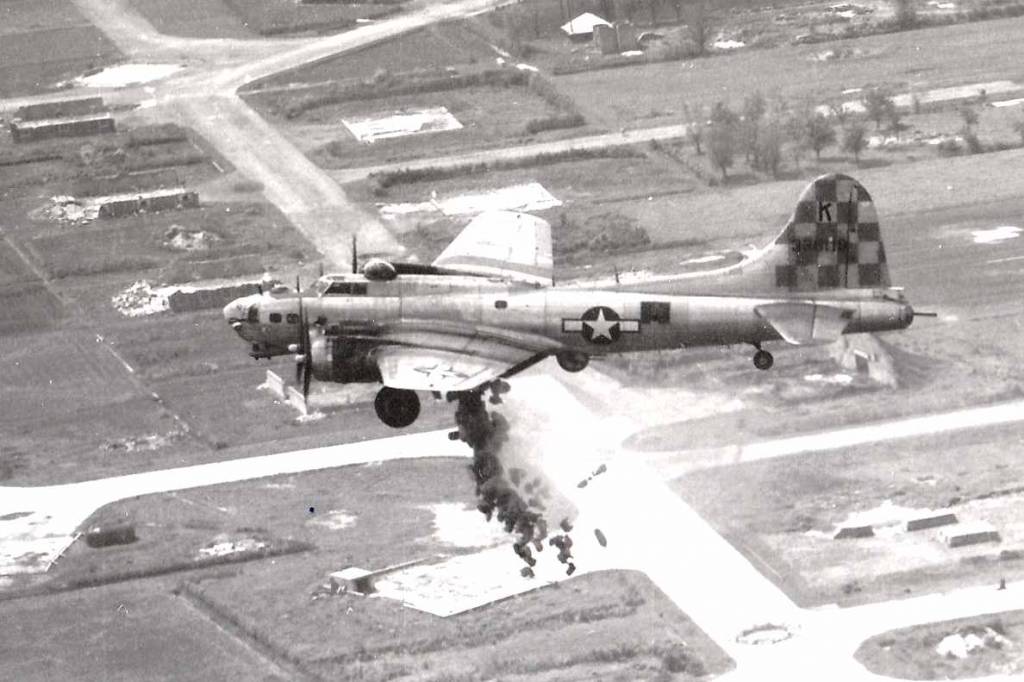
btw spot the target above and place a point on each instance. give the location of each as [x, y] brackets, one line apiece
[511, 488]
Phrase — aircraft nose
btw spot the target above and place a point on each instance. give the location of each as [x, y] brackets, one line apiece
[234, 313]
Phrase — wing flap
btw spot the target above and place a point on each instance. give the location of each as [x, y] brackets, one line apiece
[805, 323]
[502, 244]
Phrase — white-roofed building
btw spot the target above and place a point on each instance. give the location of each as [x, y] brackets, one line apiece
[582, 27]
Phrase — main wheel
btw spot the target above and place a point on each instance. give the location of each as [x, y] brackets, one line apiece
[763, 360]
[397, 407]
[572, 361]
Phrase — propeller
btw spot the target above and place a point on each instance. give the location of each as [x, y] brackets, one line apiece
[355, 255]
[304, 354]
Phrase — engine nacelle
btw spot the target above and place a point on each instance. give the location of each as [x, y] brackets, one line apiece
[341, 361]
[572, 361]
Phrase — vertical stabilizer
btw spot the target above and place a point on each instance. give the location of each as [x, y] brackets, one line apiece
[832, 241]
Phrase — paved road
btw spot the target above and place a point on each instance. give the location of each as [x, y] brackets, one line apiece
[203, 95]
[602, 141]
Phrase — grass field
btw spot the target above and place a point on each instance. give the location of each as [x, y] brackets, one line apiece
[44, 42]
[436, 47]
[283, 16]
[911, 654]
[802, 498]
[927, 58]
[489, 117]
[136, 630]
[194, 18]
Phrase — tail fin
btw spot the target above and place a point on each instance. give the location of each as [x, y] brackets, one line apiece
[832, 241]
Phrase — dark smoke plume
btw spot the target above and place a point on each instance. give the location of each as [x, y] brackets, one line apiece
[508, 494]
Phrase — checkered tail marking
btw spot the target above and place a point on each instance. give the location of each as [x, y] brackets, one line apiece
[833, 239]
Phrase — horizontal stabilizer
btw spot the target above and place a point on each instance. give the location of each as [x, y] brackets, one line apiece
[805, 323]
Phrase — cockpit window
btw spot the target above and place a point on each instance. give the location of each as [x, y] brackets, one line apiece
[346, 289]
[254, 314]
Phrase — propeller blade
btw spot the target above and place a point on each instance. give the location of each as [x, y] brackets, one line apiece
[355, 255]
[302, 336]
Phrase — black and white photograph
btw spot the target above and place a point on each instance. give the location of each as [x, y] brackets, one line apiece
[511, 340]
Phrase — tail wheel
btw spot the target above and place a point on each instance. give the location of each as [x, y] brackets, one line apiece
[763, 360]
[397, 407]
[572, 361]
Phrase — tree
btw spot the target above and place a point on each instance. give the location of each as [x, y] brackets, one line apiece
[818, 134]
[855, 139]
[721, 147]
[877, 104]
[677, 6]
[892, 113]
[695, 124]
[653, 5]
[793, 132]
[839, 112]
[905, 14]
[700, 24]
[769, 148]
[969, 115]
[721, 113]
[1018, 127]
[754, 108]
[626, 8]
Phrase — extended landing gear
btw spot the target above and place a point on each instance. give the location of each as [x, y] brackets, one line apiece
[571, 361]
[763, 359]
[397, 407]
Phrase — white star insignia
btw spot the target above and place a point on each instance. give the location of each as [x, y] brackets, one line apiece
[601, 327]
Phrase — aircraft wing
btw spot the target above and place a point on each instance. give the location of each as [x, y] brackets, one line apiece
[502, 244]
[428, 369]
[805, 323]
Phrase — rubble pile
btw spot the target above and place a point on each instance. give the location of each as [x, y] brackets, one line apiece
[67, 210]
[141, 443]
[512, 497]
[141, 299]
[179, 238]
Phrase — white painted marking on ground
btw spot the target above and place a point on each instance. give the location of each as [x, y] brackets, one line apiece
[127, 74]
[703, 259]
[996, 234]
[384, 126]
[334, 519]
[1004, 260]
[728, 44]
[1008, 102]
[838, 379]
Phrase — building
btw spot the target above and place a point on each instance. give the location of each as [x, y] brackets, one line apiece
[174, 198]
[964, 534]
[66, 108]
[582, 27]
[48, 128]
[352, 580]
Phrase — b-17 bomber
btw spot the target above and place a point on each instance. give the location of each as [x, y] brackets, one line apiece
[487, 309]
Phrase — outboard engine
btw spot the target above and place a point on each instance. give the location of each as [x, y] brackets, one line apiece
[341, 361]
